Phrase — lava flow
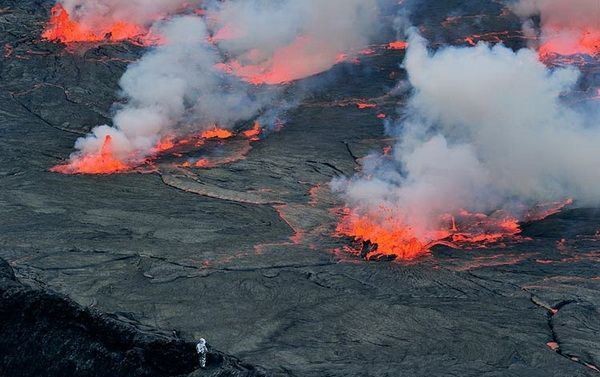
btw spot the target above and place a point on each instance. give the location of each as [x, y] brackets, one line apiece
[63, 28]
[254, 133]
[398, 45]
[107, 162]
[104, 162]
[217, 133]
[396, 239]
[463, 230]
[365, 105]
[390, 238]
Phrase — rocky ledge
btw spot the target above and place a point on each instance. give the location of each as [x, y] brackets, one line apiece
[46, 333]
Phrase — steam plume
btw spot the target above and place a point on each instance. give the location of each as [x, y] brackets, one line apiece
[274, 42]
[568, 26]
[485, 137]
[201, 75]
[92, 21]
[174, 89]
[97, 13]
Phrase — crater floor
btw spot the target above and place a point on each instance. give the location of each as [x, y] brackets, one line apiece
[242, 254]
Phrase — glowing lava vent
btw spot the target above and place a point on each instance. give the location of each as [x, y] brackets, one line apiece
[103, 162]
[62, 27]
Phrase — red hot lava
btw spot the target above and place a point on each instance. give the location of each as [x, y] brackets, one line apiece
[104, 162]
[254, 133]
[107, 162]
[302, 58]
[557, 42]
[464, 229]
[398, 45]
[63, 28]
[568, 27]
[365, 105]
[217, 133]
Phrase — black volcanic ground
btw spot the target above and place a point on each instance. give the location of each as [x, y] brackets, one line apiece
[242, 254]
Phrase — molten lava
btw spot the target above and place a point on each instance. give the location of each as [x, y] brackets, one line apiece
[392, 239]
[103, 162]
[304, 57]
[165, 144]
[217, 133]
[494, 37]
[365, 105]
[398, 45]
[106, 162]
[254, 133]
[557, 42]
[258, 74]
[201, 163]
[464, 229]
[63, 28]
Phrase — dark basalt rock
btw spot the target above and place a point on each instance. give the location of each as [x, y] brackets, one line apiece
[367, 248]
[43, 333]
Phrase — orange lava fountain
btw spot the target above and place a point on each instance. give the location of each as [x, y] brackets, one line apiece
[63, 28]
[104, 162]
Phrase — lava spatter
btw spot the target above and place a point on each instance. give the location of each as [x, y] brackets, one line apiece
[62, 27]
[103, 162]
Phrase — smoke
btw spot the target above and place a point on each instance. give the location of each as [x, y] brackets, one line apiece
[171, 90]
[274, 42]
[206, 70]
[486, 135]
[95, 14]
[110, 20]
[562, 13]
[567, 26]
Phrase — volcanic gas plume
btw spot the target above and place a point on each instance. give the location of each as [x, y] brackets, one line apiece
[207, 72]
[486, 141]
[173, 90]
[568, 27]
[289, 40]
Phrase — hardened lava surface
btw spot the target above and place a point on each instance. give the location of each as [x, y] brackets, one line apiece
[242, 254]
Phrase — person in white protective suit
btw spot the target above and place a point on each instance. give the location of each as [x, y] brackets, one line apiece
[202, 352]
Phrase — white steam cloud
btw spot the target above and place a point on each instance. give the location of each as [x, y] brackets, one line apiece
[97, 13]
[486, 129]
[200, 76]
[561, 13]
[567, 26]
[172, 89]
[287, 40]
